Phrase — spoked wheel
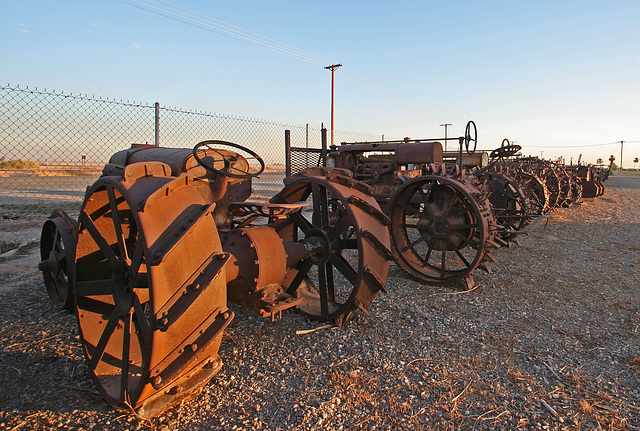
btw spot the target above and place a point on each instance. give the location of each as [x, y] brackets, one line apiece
[552, 181]
[565, 198]
[439, 232]
[508, 200]
[576, 189]
[535, 192]
[349, 242]
[57, 253]
[146, 332]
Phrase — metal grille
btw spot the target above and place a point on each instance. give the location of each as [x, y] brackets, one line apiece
[54, 144]
[301, 159]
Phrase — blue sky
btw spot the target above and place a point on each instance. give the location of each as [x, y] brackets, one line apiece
[561, 77]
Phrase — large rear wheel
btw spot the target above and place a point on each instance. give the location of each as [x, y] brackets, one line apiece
[150, 291]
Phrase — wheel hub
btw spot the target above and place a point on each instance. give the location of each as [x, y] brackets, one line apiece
[50, 264]
[438, 231]
[318, 245]
[122, 287]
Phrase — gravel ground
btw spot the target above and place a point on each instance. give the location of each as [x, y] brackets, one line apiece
[551, 340]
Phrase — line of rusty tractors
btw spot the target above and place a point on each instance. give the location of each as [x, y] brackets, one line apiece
[165, 237]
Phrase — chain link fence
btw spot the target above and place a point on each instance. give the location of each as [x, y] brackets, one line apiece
[54, 144]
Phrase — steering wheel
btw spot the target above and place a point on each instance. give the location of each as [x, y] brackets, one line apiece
[247, 165]
[468, 138]
[505, 150]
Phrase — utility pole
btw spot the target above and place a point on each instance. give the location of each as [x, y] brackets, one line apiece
[445, 134]
[332, 68]
[621, 145]
[541, 153]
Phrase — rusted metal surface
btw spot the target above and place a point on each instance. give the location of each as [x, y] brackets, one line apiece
[347, 240]
[441, 230]
[535, 191]
[443, 225]
[448, 210]
[384, 165]
[166, 238]
[479, 159]
[150, 289]
[508, 201]
[57, 253]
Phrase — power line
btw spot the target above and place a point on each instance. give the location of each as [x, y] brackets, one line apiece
[196, 19]
[576, 146]
[199, 20]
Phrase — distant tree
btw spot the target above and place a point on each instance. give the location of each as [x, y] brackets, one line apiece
[634, 163]
[599, 161]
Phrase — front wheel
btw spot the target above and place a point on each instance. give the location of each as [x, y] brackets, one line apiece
[440, 233]
[347, 230]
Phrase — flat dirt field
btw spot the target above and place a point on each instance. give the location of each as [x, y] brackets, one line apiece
[551, 340]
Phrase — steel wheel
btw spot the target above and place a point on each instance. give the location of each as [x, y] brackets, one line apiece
[439, 232]
[137, 311]
[57, 251]
[565, 198]
[508, 200]
[347, 230]
[535, 192]
[552, 181]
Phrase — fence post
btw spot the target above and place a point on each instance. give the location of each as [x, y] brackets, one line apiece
[157, 125]
[323, 154]
[287, 153]
[306, 156]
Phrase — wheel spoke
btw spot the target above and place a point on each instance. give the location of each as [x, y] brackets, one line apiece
[56, 245]
[449, 204]
[462, 258]
[94, 287]
[322, 288]
[301, 222]
[331, 291]
[442, 264]
[104, 338]
[302, 273]
[59, 284]
[413, 244]
[349, 244]
[470, 243]
[426, 196]
[320, 216]
[339, 228]
[117, 223]
[437, 193]
[409, 208]
[141, 324]
[466, 209]
[344, 268]
[126, 345]
[136, 259]
[102, 243]
[425, 261]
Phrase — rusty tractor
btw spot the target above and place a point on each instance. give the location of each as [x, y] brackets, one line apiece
[445, 218]
[166, 237]
[547, 184]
